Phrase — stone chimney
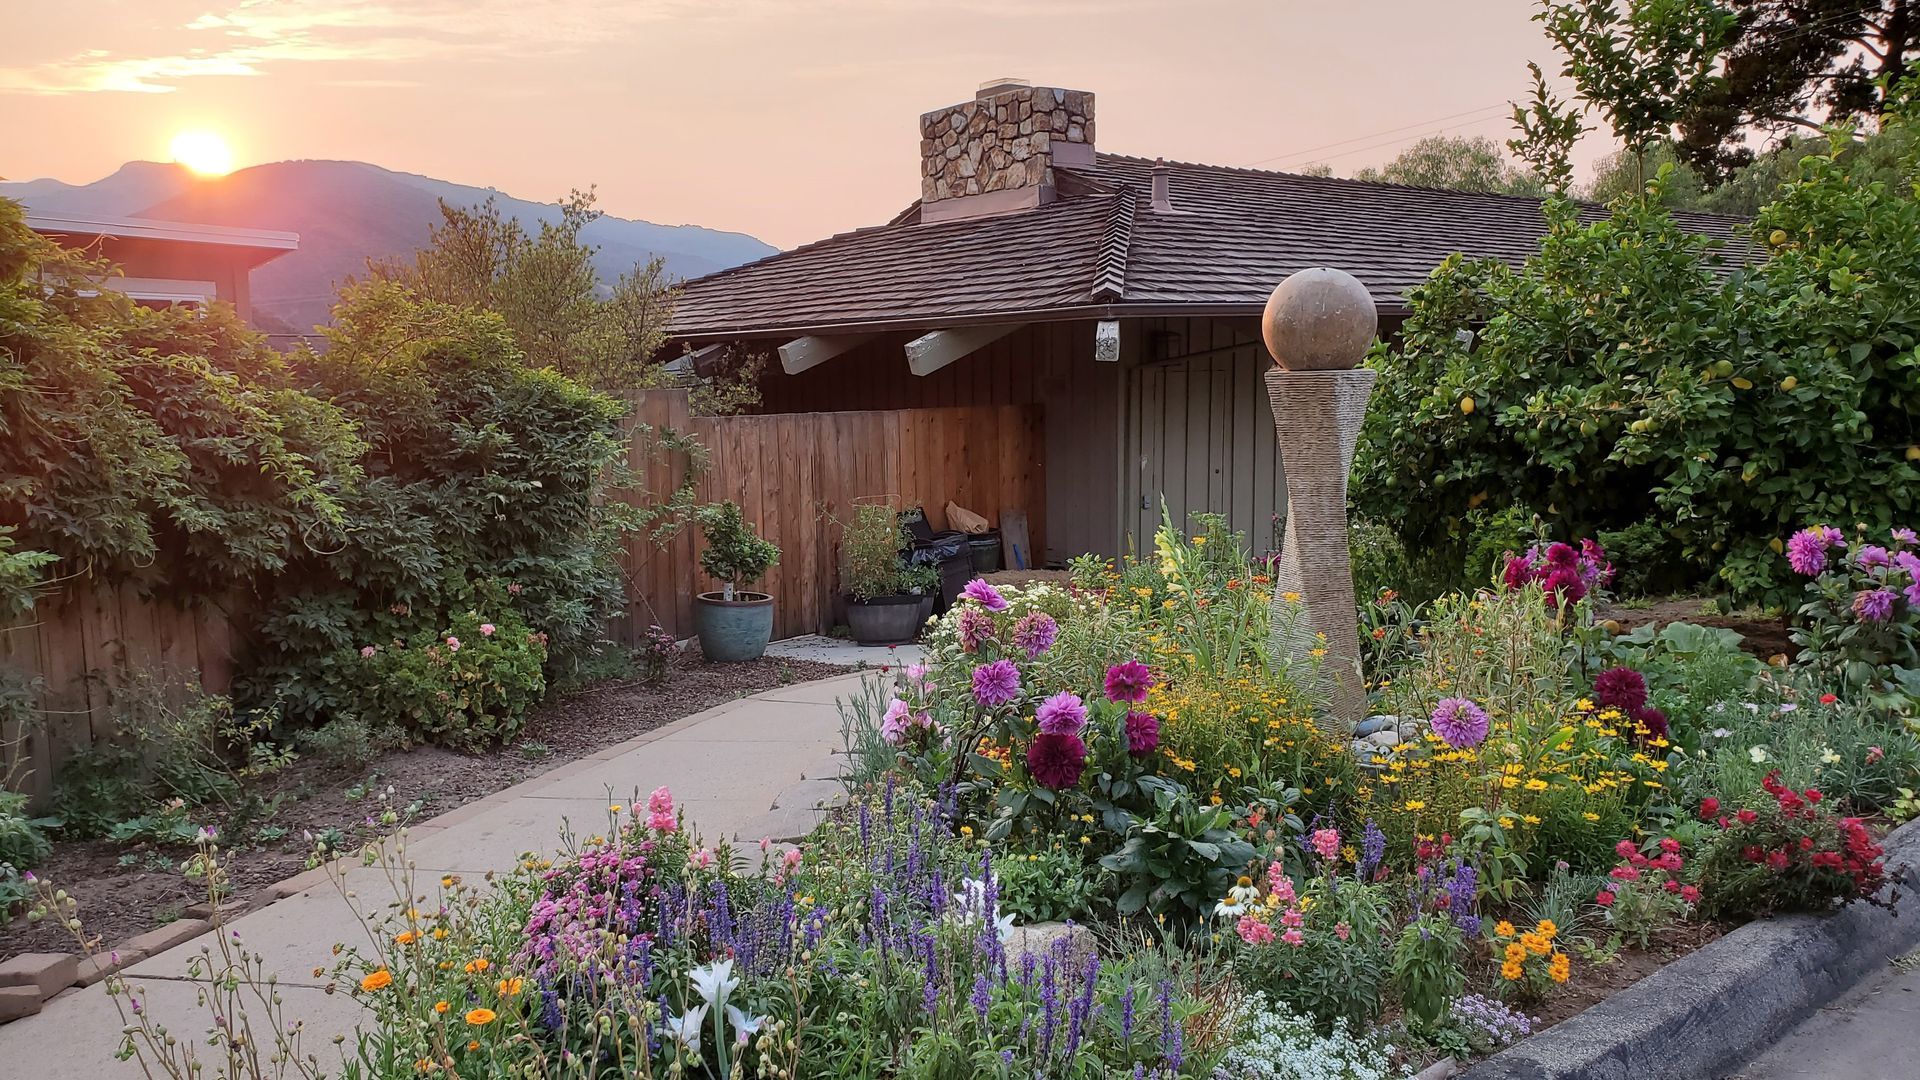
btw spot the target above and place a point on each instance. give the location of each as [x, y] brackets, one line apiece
[997, 153]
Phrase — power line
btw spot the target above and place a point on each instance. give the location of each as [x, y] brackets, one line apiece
[1503, 107]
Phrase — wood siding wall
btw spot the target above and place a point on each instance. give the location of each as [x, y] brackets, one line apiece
[1200, 432]
[1046, 364]
[798, 475]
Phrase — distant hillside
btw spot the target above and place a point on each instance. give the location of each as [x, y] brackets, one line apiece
[347, 212]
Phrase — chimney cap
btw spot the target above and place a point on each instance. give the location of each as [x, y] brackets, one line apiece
[1000, 86]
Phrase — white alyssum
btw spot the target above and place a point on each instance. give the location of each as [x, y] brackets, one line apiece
[1275, 1044]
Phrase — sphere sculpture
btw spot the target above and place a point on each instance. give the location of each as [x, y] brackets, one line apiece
[1319, 320]
[1318, 325]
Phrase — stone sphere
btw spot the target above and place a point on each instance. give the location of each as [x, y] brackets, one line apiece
[1319, 320]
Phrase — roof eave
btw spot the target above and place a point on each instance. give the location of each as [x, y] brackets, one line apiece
[1081, 312]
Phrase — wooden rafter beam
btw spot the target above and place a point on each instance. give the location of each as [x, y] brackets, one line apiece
[929, 353]
[800, 354]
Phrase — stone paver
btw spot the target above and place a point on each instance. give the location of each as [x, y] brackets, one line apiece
[1873, 1032]
[827, 650]
[727, 768]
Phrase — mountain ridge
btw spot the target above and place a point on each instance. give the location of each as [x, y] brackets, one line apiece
[348, 212]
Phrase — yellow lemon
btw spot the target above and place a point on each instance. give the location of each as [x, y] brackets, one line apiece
[1777, 237]
[1913, 453]
[1789, 383]
[1723, 368]
[1466, 405]
[1776, 545]
[1742, 384]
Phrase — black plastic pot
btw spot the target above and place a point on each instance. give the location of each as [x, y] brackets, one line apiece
[733, 631]
[884, 620]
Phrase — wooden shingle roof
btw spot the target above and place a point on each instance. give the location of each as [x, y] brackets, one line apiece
[1102, 251]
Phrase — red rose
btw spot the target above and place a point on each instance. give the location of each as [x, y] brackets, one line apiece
[1777, 860]
[1747, 817]
[1813, 795]
[1709, 806]
[1603, 898]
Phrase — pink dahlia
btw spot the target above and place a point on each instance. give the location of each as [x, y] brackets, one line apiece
[1056, 759]
[1460, 722]
[1143, 733]
[976, 626]
[1062, 714]
[988, 596]
[1621, 688]
[996, 684]
[893, 725]
[1129, 682]
[1807, 551]
[1874, 605]
[1035, 633]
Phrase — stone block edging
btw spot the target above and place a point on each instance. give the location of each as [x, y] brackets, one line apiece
[1713, 1010]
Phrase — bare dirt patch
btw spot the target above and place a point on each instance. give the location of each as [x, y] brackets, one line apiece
[125, 889]
[1763, 637]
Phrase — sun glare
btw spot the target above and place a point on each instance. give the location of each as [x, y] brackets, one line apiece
[204, 152]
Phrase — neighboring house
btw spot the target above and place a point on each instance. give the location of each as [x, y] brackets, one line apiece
[168, 263]
[1120, 293]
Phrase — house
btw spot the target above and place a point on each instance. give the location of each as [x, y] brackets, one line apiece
[1122, 294]
[168, 263]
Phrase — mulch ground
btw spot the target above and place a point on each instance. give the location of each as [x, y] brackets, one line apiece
[125, 889]
[1593, 983]
[1761, 636]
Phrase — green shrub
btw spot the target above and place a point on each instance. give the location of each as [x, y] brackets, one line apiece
[467, 685]
[1618, 378]
[23, 837]
[870, 553]
[735, 554]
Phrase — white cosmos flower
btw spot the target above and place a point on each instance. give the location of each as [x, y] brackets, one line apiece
[744, 1026]
[714, 982]
[685, 1030]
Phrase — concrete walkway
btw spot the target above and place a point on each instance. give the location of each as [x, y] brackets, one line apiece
[748, 769]
[1872, 1033]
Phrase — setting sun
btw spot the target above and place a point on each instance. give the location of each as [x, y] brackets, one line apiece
[205, 152]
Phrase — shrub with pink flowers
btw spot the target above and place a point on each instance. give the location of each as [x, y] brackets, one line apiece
[1566, 573]
[1646, 893]
[467, 685]
[1858, 622]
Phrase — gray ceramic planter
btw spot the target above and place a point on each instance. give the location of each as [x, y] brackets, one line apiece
[884, 620]
[733, 631]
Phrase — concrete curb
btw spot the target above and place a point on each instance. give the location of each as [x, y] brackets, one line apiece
[1716, 1009]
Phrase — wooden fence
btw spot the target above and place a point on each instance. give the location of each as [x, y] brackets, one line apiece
[798, 475]
[85, 640]
[795, 475]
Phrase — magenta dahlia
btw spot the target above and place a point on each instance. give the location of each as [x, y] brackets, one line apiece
[1807, 551]
[1035, 633]
[1056, 759]
[1621, 688]
[1062, 714]
[1143, 733]
[996, 684]
[1874, 605]
[1460, 722]
[989, 597]
[1129, 682]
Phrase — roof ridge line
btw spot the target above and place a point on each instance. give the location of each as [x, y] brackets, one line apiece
[1110, 264]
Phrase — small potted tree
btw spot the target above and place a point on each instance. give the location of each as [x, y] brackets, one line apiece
[733, 625]
[880, 610]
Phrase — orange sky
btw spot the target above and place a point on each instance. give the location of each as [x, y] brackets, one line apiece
[788, 119]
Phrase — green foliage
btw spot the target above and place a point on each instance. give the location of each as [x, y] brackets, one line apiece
[170, 445]
[1618, 380]
[870, 552]
[1789, 60]
[1330, 977]
[1179, 857]
[468, 684]
[23, 836]
[20, 573]
[1458, 162]
[177, 750]
[482, 492]
[734, 554]
[1051, 884]
[349, 743]
[1426, 966]
[1643, 67]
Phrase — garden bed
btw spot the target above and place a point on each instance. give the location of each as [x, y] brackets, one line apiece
[133, 888]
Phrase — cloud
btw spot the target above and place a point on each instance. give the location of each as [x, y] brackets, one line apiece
[247, 38]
